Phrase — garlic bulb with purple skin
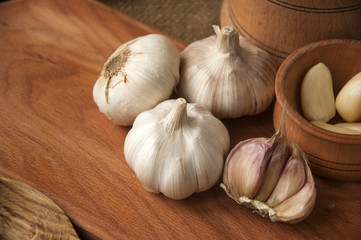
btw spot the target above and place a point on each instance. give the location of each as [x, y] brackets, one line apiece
[227, 74]
[271, 176]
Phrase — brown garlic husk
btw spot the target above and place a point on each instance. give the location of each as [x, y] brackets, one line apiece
[271, 176]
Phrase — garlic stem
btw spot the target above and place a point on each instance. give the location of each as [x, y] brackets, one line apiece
[227, 39]
[278, 159]
[177, 117]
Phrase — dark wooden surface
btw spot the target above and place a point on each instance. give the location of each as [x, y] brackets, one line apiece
[54, 138]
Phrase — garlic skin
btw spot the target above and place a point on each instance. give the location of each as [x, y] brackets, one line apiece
[348, 100]
[271, 176]
[227, 74]
[136, 77]
[177, 148]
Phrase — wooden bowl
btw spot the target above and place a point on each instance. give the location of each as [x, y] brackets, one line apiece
[332, 155]
[280, 27]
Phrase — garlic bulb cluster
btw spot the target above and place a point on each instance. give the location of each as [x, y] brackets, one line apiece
[272, 176]
[227, 74]
[137, 76]
[177, 148]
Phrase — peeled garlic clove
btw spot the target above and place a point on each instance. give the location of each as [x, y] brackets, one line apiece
[348, 100]
[335, 128]
[137, 76]
[356, 127]
[177, 148]
[292, 194]
[227, 74]
[317, 97]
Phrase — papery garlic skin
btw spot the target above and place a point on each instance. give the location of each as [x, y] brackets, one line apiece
[137, 76]
[177, 148]
[253, 165]
[280, 153]
[227, 74]
[300, 205]
[256, 150]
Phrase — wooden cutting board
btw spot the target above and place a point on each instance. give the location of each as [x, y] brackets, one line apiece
[54, 138]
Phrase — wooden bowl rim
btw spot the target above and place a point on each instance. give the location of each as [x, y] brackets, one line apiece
[292, 113]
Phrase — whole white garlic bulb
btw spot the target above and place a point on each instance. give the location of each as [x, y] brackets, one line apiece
[227, 74]
[137, 76]
[177, 148]
[271, 176]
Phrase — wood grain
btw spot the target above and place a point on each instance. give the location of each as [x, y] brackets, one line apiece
[26, 213]
[280, 27]
[53, 137]
[332, 155]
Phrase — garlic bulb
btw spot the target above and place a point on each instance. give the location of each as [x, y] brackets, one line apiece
[177, 148]
[272, 176]
[137, 76]
[227, 74]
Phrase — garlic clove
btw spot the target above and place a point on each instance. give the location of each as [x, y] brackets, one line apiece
[275, 166]
[227, 74]
[352, 126]
[317, 97]
[178, 179]
[348, 100]
[290, 181]
[335, 128]
[299, 206]
[246, 165]
[279, 157]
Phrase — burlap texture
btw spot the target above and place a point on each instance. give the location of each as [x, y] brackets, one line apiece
[185, 20]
